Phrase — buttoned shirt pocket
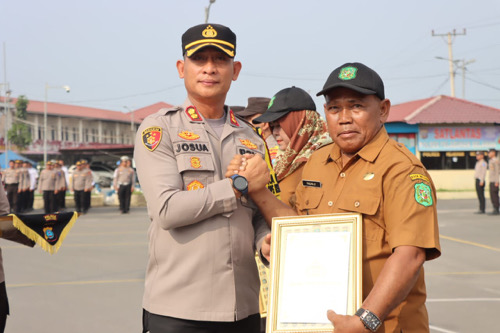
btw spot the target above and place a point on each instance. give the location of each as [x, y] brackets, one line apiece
[308, 199]
[368, 206]
[197, 170]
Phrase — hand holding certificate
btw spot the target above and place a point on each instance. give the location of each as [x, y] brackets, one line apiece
[315, 266]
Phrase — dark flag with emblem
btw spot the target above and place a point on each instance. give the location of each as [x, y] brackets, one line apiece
[47, 230]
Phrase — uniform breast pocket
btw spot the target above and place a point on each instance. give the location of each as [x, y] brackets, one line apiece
[308, 199]
[368, 206]
[197, 170]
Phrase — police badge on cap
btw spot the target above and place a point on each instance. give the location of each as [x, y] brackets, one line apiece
[209, 34]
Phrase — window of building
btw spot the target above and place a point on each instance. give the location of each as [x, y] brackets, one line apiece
[451, 160]
[94, 135]
[75, 135]
[86, 135]
[40, 135]
[53, 134]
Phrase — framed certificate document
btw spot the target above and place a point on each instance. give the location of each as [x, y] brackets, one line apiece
[315, 266]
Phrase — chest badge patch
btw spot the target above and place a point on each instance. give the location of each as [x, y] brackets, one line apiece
[195, 162]
[423, 194]
[189, 135]
[232, 119]
[195, 185]
[249, 144]
[151, 137]
[193, 114]
[369, 176]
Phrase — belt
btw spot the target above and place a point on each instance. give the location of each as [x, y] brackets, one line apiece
[13, 184]
[124, 184]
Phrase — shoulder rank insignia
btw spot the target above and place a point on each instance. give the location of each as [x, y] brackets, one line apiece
[195, 162]
[189, 135]
[417, 176]
[423, 194]
[193, 114]
[232, 119]
[151, 137]
[195, 185]
[248, 143]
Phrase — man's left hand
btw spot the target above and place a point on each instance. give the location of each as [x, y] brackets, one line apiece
[346, 324]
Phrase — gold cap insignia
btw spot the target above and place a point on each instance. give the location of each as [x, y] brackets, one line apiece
[369, 176]
[209, 32]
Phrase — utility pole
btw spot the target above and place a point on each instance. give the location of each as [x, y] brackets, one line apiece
[462, 65]
[207, 10]
[450, 56]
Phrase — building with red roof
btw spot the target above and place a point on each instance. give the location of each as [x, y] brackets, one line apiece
[445, 132]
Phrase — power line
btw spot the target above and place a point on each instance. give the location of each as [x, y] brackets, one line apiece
[484, 84]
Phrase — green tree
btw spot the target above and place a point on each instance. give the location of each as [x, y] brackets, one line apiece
[20, 134]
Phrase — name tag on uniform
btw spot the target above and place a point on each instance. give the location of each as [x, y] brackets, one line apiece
[311, 183]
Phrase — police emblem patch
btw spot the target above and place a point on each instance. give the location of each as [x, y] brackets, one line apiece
[248, 143]
[151, 137]
[195, 162]
[48, 233]
[189, 135]
[348, 73]
[195, 185]
[423, 194]
[193, 114]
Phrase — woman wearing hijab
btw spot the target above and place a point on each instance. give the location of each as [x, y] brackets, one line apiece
[299, 131]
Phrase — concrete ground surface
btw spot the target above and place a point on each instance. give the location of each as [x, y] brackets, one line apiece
[96, 280]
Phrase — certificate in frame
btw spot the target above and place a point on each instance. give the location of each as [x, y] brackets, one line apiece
[316, 265]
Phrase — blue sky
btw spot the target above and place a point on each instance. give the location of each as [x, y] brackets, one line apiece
[118, 53]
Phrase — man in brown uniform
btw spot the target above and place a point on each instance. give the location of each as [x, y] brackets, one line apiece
[124, 183]
[47, 185]
[10, 177]
[365, 171]
[81, 182]
[201, 274]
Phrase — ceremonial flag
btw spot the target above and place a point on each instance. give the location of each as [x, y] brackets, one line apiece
[47, 230]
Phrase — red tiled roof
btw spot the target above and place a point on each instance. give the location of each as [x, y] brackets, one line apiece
[443, 110]
[142, 113]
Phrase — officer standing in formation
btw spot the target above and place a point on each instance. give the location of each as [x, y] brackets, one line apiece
[124, 183]
[494, 175]
[61, 185]
[10, 177]
[48, 185]
[87, 193]
[366, 172]
[81, 182]
[479, 177]
[23, 188]
[204, 232]
[33, 184]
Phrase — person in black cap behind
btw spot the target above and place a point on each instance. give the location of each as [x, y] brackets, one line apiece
[368, 173]
[256, 107]
[299, 131]
[201, 275]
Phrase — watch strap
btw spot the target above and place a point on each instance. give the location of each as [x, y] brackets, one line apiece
[369, 319]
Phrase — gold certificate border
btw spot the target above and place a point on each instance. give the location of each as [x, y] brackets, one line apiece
[281, 227]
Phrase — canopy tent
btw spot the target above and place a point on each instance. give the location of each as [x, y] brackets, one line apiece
[5, 157]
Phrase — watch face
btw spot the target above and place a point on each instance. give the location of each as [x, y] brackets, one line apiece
[240, 183]
[371, 322]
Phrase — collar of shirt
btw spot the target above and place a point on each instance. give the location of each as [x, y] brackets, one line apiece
[369, 152]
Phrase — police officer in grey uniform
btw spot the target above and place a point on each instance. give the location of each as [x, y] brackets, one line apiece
[48, 186]
[10, 178]
[24, 186]
[81, 182]
[124, 183]
[204, 231]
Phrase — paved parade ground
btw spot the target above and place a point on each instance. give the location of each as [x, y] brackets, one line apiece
[95, 282]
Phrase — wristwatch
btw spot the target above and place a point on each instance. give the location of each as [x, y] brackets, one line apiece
[369, 319]
[240, 183]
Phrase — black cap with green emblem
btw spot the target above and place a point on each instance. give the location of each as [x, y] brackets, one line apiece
[355, 76]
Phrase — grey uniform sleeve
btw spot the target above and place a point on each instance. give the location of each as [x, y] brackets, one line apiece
[8, 231]
[163, 186]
